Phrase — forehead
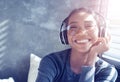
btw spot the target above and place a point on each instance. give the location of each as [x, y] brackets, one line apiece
[81, 16]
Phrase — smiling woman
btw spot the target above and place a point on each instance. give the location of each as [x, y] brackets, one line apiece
[31, 26]
[81, 30]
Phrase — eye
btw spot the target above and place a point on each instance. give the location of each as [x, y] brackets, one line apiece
[72, 27]
[89, 26]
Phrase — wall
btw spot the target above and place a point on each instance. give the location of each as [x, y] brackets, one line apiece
[31, 26]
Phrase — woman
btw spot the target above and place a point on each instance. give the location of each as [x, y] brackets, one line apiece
[84, 31]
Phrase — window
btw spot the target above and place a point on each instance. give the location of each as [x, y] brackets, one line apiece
[113, 16]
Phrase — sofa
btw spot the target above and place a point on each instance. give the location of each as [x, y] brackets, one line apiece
[28, 74]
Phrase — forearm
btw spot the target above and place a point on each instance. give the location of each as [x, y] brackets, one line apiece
[105, 73]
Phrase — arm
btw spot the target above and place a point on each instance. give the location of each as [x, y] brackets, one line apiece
[88, 71]
[108, 74]
[87, 74]
[100, 46]
[46, 71]
[105, 74]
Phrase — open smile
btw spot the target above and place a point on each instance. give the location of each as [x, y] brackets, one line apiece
[84, 41]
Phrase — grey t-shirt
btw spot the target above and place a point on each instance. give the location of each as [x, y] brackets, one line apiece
[55, 67]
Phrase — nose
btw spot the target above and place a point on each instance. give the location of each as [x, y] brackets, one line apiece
[82, 31]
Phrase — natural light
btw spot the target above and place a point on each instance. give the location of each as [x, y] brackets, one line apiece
[114, 12]
[113, 15]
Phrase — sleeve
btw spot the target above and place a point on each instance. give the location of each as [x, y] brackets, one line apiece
[108, 74]
[87, 74]
[46, 70]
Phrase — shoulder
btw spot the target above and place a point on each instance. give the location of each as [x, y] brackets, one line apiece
[103, 64]
[57, 57]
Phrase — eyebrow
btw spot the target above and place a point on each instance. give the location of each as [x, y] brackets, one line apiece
[86, 22]
[73, 22]
[89, 21]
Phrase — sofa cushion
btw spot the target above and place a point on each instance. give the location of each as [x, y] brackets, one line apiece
[33, 70]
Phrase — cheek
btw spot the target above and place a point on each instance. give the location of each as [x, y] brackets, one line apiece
[94, 35]
[69, 38]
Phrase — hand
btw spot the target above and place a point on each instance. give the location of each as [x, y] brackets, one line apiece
[100, 46]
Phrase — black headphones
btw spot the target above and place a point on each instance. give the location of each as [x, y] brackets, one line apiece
[63, 32]
[63, 29]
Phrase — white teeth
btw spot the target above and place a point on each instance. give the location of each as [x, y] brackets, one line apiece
[82, 41]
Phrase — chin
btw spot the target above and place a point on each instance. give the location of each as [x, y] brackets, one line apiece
[81, 50]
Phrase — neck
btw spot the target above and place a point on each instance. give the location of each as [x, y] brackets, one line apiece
[78, 56]
[77, 60]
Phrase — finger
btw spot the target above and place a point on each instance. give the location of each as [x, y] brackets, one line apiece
[108, 36]
[103, 45]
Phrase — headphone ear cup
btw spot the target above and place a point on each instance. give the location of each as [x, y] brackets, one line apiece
[63, 37]
[63, 32]
[105, 31]
[102, 25]
[102, 32]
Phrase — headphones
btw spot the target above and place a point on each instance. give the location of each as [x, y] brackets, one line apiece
[63, 29]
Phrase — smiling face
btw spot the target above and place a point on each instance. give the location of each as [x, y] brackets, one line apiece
[82, 31]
